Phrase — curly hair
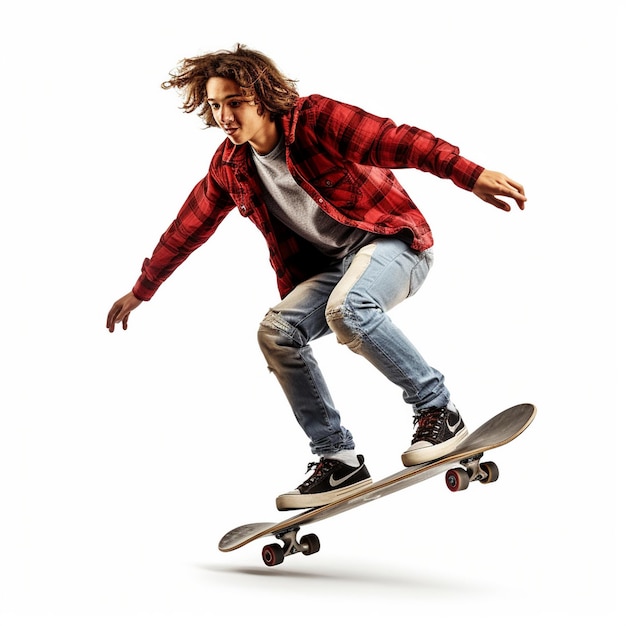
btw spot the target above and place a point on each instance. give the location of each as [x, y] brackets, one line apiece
[255, 73]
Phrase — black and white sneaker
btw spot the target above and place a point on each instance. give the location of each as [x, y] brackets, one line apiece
[438, 432]
[331, 480]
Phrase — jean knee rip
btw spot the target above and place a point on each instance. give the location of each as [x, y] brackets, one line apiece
[275, 321]
[342, 321]
[276, 333]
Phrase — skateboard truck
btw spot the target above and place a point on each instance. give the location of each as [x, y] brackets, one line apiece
[459, 478]
[274, 553]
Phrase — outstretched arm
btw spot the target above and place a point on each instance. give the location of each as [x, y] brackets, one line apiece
[120, 311]
[491, 184]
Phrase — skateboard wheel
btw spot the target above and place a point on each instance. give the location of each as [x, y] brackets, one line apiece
[490, 469]
[273, 555]
[457, 479]
[310, 544]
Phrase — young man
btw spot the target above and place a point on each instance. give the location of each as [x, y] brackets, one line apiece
[346, 241]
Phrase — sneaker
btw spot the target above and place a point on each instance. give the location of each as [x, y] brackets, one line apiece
[438, 432]
[330, 481]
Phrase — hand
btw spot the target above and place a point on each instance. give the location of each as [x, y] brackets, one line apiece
[121, 310]
[491, 184]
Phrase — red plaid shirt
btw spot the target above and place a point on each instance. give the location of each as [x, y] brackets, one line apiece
[342, 157]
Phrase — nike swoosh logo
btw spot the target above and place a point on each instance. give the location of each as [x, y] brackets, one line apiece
[455, 427]
[336, 483]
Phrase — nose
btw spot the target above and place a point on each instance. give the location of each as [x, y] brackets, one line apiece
[225, 115]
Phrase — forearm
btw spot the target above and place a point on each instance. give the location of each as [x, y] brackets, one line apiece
[196, 222]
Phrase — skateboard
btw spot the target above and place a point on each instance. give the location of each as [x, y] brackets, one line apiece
[463, 466]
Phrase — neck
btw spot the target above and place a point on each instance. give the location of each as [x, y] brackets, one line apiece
[268, 140]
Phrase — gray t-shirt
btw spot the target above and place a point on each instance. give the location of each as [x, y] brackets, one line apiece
[293, 206]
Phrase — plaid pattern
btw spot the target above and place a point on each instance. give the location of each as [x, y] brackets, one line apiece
[342, 156]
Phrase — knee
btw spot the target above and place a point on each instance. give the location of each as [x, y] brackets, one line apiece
[344, 323]
[267, 334]
[275, 335]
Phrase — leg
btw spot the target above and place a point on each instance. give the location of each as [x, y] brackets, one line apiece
[284, 337]
[381, 275]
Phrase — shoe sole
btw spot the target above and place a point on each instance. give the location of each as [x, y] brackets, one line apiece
[431, 453]
[290, 502]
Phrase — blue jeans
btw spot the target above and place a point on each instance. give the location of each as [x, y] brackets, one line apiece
[350, 299]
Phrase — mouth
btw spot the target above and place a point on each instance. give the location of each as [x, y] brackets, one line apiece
[229, 130]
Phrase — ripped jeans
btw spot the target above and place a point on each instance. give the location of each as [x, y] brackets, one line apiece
[350, 299]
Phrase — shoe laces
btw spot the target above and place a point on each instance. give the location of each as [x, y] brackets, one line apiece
[322, 467]
[428, 423]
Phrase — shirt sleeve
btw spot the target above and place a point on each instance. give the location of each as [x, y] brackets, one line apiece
[367, 139]
[199, 217]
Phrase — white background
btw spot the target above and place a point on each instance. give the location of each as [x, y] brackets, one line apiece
[125, 457]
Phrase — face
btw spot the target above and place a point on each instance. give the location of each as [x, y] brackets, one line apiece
[238, 116]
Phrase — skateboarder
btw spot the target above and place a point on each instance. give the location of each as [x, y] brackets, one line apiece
[346, 241]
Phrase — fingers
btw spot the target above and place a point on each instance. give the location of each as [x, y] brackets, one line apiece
[497, 202]
[501, 204]
[120, 311]
[515, 190]
[492, 184]
[116, 316]
[111, 319]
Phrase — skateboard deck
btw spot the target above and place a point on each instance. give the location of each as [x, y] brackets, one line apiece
[462, 466]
